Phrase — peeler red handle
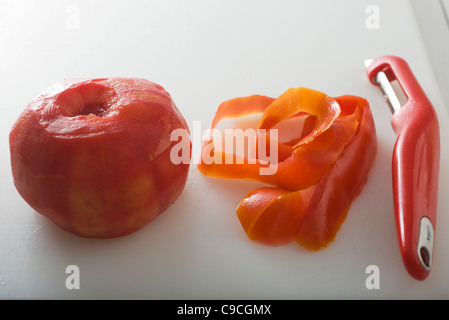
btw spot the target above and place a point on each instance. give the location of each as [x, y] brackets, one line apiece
[415, 166]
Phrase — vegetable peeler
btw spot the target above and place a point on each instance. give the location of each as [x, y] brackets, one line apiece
[415, 163]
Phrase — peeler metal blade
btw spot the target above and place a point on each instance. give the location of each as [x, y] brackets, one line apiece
[386, 87]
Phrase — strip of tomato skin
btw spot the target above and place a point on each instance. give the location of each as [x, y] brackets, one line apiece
[230, 109]
[273, 216]
[259, 217]
[301, 99]
[309, 162]
[241, 107]
[341, 186]
[313, 216]
[303, 168]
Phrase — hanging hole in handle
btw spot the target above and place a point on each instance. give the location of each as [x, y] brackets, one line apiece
[425, 243]
[425, 257]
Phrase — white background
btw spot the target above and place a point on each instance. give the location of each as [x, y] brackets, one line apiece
[204, 52]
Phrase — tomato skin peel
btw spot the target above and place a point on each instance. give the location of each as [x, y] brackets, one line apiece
[319, 174]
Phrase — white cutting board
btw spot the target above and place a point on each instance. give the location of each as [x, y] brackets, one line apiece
[204, 52]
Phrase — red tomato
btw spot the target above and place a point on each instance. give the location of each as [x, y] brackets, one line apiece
[94, 155]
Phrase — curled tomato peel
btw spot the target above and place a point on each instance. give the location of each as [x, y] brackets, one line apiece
[319, 173]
